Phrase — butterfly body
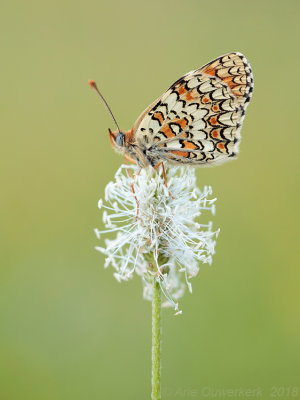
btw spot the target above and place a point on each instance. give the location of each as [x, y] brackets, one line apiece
[197, 121]
[136, 151]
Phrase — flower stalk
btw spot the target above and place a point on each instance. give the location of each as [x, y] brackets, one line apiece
[156, 340]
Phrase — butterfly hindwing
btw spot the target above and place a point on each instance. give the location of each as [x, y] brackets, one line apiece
[198, 119]
[235, 70]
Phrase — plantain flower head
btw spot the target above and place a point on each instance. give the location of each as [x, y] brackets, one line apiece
[157, 232]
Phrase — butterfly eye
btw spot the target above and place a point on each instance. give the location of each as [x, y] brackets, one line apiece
[120, 139]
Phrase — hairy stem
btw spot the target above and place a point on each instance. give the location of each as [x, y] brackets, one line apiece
[156, 333]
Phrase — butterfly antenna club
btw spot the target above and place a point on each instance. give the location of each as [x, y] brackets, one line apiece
[94, 86]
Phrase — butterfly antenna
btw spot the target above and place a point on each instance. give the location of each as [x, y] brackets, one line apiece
[94, 86]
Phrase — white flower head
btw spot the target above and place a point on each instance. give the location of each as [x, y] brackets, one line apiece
[158, 231]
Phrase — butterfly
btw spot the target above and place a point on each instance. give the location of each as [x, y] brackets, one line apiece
[196, 122]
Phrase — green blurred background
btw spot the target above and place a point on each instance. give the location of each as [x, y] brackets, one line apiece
[69, 330]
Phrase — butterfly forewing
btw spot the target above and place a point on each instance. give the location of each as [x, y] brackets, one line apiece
[198, 119]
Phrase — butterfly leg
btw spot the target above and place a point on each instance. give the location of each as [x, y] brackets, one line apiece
[126, 158]
[164, 175]
[133, 191]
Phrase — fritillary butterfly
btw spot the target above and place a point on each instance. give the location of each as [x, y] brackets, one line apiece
[197, 121]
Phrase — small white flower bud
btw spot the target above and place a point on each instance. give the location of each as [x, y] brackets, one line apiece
[100, 204]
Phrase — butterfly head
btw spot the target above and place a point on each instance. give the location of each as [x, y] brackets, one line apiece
[121, 140]
[117, 139]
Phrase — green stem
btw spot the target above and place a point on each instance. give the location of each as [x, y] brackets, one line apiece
[156, 332]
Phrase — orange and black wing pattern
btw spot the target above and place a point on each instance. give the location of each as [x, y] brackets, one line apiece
[199, 118]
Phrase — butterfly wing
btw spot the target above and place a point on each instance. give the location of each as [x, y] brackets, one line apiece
[199, 118]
